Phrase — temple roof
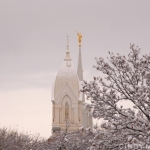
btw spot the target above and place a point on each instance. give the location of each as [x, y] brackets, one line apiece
[67, 73]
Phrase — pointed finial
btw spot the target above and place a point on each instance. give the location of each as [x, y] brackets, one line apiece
[67, 46]
[67, 39]
[67, 50]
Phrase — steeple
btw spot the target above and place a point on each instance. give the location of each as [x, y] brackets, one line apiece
[67, 57]
[79, 69]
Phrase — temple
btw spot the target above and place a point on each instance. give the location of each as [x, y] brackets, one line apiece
[68, 103]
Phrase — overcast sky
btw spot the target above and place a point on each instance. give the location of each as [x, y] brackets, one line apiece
[33, 43]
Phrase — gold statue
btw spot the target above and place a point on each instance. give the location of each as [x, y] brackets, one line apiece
[79, 38]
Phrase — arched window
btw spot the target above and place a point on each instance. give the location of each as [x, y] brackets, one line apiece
[66, 111]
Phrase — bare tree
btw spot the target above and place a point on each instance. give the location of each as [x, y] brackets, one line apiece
[125, 79]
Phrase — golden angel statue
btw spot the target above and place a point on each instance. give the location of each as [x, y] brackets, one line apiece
[79, 37]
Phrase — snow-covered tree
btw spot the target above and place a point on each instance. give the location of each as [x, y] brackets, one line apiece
[13, 140]
[61, 140]
[71, 140]
[124, 79]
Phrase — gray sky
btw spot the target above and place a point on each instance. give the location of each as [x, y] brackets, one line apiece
[33, 43]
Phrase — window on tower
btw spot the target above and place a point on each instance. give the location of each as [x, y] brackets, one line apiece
[66, 111]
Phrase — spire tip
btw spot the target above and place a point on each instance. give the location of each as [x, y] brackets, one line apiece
[67, 49]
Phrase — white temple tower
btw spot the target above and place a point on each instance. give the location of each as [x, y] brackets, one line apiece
[67, 100]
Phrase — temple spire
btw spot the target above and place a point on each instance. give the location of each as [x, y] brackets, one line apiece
[79, 69]
[67, 57]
